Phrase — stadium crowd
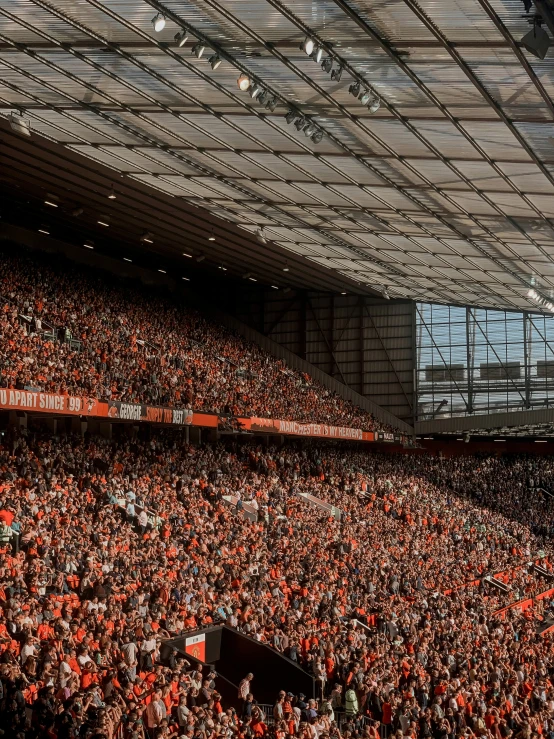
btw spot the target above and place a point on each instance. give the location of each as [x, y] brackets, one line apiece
[110, 546]
[115, 342]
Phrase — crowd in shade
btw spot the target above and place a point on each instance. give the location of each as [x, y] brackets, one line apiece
[114, 341]
[112, 546]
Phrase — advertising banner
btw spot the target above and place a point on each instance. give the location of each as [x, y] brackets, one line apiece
[75, 405]
[293, 428]
[196, 646]
[155, 414]
[32, 400]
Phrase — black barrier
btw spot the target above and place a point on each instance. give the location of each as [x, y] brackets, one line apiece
[212, 645]
[239, 654]
[272, 671]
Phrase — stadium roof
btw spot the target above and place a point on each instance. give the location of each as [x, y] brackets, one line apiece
[443, 193]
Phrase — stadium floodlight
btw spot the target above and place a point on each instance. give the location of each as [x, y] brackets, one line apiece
[19, 124]
[181, 38]
[307, 45]
[317, 137]
[317, 54]
[536, 41]
[197, 50]
[215, 61]
[374, 105]
[291, 116]
[158, 21]
[243, 82]
[255, 90]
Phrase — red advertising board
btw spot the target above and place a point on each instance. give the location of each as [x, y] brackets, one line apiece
[293, 428]
[74, 405]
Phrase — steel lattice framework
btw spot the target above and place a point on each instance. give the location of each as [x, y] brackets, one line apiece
[444, 194]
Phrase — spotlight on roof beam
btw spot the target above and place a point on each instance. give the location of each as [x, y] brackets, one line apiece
[536, 41]
[374, 105]
[286, 268]
[354, 89]
[307, 45]
[261, 236]
[327, 64]
[243, 82]
[310, 129]
[531, 293]
[271, 104]
[214, 61]
[336, 74]
[181, 38]
[19, 124]
[262, 97]
[317, 54]
[317, 137]
[111, 194]
[158, 21]
[386, 294]
[291, 116]
[255, 90]
[300, 123]
[365, 96]
[197, 50]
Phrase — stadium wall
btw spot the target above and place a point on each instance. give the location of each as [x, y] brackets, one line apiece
[365, 345]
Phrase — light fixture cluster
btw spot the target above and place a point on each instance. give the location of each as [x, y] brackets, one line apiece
[361, 93]
[302, 123]
[317, 52]
[257, 92]
[365, 96]
[197, 50]
[543, 302]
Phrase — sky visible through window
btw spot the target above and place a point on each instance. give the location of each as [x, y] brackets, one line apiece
[474, 360]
